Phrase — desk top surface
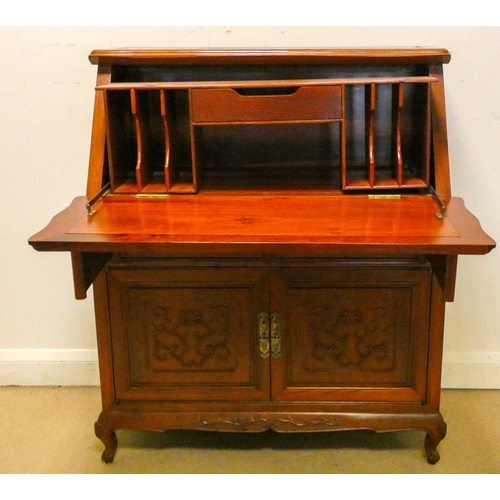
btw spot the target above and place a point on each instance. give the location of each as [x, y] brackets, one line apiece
[255, 55]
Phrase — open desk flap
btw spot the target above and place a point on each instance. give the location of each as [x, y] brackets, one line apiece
[284, 226]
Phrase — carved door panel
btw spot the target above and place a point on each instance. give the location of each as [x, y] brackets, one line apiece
[352, 334]
[185, 334]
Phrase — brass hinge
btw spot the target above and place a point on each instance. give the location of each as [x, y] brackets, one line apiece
[276, 335]
[152, 196]
[384, 196]
[263, 326]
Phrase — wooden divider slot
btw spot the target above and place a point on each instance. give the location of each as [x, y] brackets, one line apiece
[371, 104]
[397, 110]
[149, 143]
[121, 141]
[393, 120]
[141, 113]
[169, 177]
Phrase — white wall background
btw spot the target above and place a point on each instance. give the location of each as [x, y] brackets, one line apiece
[47, 92]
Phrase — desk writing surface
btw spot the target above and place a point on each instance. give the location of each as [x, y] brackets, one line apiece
[336, 224]
[279, 218]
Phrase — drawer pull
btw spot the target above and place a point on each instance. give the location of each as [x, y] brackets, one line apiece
[266, 91]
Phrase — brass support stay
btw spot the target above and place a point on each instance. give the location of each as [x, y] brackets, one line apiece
[442, 208]
[91, 202]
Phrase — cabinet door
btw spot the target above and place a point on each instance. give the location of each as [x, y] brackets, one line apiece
[352, 334]
[186, 334]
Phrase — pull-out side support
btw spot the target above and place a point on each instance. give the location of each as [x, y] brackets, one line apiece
[86, 267]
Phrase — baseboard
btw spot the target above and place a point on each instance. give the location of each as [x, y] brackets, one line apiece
[461, 370]
[471, 370]
[35, 367]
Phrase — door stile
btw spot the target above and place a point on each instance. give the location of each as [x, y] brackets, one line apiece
[262, 360]
[278, 360]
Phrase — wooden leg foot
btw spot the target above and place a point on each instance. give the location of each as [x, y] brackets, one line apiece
[432, 439]
[108, 437]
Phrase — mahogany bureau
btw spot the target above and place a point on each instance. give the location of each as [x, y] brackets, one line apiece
[271, 238]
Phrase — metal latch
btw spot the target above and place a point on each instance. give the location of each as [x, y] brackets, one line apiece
[263, 331]
[276, 335]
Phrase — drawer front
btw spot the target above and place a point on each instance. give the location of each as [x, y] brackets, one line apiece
[225, 105]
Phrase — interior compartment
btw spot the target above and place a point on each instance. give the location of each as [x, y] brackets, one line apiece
[387, 136]
[149, 141]
[270, 156]
[357, 134]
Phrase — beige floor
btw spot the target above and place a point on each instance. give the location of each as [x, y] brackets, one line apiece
[50, 430]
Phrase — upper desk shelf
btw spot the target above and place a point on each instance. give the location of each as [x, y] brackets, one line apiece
[194, 128]
[356, 133]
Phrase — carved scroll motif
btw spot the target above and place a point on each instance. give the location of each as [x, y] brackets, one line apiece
[362, 338]
[193, 339]
[251, 424]
[281, 424]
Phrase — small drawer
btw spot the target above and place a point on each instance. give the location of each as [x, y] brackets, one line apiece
[271, 105]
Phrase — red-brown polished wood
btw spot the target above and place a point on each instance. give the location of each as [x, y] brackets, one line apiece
[309, 56]
[301, 226]
[277, 241]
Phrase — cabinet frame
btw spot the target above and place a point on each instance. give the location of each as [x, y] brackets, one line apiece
[319, 202]
[297, 412]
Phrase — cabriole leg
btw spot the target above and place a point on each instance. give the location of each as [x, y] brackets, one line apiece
[432, 439]
[108, 437]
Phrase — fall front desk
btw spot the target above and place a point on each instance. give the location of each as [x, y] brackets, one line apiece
[271, 239]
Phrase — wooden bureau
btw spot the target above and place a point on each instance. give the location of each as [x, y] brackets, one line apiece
[271, 238]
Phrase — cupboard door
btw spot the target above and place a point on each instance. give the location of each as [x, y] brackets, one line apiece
[352, 335]
[185, 334]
